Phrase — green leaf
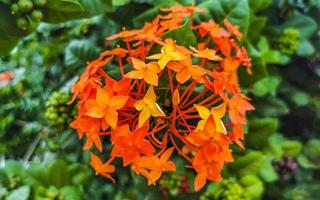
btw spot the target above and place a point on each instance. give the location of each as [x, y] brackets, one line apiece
[97, 7]
[267, 171]
[258, 68]
[265, 86]
[256, 26]
[305, 48]
[270, 56]
[306, 25]
[236, 11]
[22, 193]
[59, 174]
[259, 5]
[291, 147]
[183, 35]
[9, 32]
[249, 163]
[260, 130]
[271, 106]
[253, 185]
[79, 52]
[79, 9]
[311, 153]
[65, 5]
[13, 166]
[70, 193]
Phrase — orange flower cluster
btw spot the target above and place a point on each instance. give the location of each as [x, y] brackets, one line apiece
[152, 97]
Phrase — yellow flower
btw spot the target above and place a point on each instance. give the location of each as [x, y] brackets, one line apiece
[167, 54]
[148, 107]
[217, 113]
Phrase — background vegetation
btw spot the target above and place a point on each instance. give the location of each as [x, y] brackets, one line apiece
[41, 158]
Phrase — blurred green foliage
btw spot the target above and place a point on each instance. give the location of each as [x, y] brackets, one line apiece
[281, 160]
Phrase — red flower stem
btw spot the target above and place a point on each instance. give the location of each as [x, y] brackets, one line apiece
[184, 121]
[186, 99]
[178, 149]
[191, 117]
[154, 142]
[170, 80]
[185, 92]
[128, 46]
[110, 160]
[121, 66]
[212, 103]
[208, 99]
[105, 133]
[191, 126]
[195, 98]
[164, 144]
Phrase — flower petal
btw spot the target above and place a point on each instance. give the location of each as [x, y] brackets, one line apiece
[111, 118]
[143, 117]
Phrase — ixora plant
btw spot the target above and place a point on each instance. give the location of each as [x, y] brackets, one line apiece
[163, 90]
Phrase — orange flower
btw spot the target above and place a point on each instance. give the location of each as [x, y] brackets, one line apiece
[105, 106]
[103, 169]
[217, 113]
[233, 29]
[185, 70]
[168, 53]
[148, 72]
[148, 107]
[152, 167]
[131, 144]
[238, 106]
[230, 65]
[206, 53]
[213, 29]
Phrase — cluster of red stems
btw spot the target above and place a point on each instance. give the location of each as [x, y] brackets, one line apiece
[180, 98]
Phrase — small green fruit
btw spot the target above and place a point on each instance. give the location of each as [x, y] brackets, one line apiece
[36, 15]
[25, 5]
[40, 3]
[23, 23]
[14, 8]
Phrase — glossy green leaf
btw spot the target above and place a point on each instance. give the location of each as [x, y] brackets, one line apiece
[259, 5]
[267, 171]
[271, 106]
[266, 86]
[70, 193]
[22, 193]
[79, 52]
[79, 9]
[306, 25]
[59, 174]
[65, 5]
[256, 26]
[9, 32]
[236, 11]
[183, 35]
[249, 163]
[291, 147]
[260, 130]
[305, 49]
[258, 68]
[253, 185]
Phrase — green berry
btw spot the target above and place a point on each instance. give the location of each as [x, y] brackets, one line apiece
[36, 15]
[25, 5]
[14, 8]
[40, 3]
[23, 23]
